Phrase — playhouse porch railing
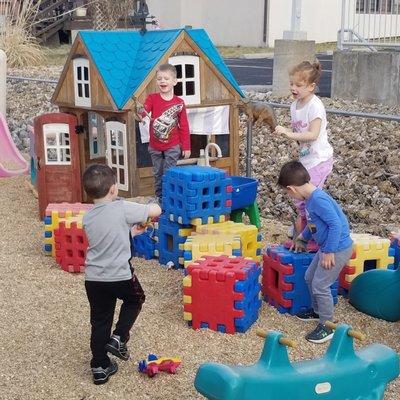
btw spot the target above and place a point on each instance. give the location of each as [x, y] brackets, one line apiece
[370, 24]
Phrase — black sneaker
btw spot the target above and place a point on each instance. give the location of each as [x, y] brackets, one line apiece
[118, 348]
[308, 315]
[101, 375]
[320, 334]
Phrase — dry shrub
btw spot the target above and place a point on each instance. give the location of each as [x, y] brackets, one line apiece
[21, 48]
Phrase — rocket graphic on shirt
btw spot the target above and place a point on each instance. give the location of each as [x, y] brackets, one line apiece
[166, 122]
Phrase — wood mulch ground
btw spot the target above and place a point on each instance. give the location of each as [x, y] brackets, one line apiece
[44, 325]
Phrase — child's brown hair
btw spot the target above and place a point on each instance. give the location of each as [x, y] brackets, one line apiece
[167, 68]
[309, 72]
[293, 173]
[97, 180]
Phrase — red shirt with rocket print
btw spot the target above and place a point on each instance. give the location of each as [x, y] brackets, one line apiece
[169, 124]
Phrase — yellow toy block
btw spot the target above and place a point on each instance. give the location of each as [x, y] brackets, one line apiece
[367, 247]
[249, 237]
[197, 246]
[210, 220]
[54, 223]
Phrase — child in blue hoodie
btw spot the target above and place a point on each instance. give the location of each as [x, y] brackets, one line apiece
[328, 226]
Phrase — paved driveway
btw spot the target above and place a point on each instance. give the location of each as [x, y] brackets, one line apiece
[258, 71]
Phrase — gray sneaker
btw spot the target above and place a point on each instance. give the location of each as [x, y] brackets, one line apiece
[101, 375]
[118, 348]
[320, 334]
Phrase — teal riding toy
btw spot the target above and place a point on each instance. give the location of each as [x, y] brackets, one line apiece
[383, 281]
[341, 373]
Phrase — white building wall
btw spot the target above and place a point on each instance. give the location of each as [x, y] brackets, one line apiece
[228, 22]
[240, 22]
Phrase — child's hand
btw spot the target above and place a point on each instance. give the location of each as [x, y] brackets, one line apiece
[283, 131]
[328, 260]
[394, 235]
[137, 229]
[186, 153]
[299, 245]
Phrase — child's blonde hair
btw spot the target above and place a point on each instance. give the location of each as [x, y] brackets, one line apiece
[167, 68]
[309, 72]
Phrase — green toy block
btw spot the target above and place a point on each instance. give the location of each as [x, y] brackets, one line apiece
[251, 211]
[341, 373]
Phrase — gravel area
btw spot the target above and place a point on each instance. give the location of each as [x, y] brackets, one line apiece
[45, 326]
[45, 323]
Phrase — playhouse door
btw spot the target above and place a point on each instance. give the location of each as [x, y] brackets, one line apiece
[117, 152]
[57, 150]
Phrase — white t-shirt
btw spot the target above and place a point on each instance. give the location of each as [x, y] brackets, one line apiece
[319, 150]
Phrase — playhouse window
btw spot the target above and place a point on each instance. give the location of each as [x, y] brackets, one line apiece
[188, 78]
[57, 147]
[96, 135]
[82, 82]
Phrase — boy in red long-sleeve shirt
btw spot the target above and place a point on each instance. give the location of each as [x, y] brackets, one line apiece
[169, 127]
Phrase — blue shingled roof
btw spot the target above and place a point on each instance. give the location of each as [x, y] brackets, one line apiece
[125, 58]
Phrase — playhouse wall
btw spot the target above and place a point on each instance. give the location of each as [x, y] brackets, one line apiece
[66, 95]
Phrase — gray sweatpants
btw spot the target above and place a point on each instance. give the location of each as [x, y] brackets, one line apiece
[162, 161]
[319, 280]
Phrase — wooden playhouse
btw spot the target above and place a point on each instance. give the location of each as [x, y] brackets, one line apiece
[105, 74]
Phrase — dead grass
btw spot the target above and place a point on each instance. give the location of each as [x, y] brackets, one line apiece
[20, 46]
[55, 55]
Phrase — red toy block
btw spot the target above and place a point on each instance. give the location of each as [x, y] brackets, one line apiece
[71, 246]
[347, 270]
[213, 294]
[273, 271]
[62, 208]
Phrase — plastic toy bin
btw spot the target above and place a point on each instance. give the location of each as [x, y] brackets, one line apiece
[244, 191]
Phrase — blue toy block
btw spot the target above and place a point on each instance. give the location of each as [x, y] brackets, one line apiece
[251, 302]
[287, 289]
[341, 373]
[196, 192]
[395, 246]
[143, 245]
[170, 237]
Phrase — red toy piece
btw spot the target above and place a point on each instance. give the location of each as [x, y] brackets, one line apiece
[152, 366]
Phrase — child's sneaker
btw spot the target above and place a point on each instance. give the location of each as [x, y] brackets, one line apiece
[320, 334]
[118, 348]
[101, 375]
[308, 315]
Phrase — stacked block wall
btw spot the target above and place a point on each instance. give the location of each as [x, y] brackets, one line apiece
[249, 237]
[283, 284]
[71, 245]
[169, 239]
[222, 293]
[369, 252]
[196, 195]
[198, 246]
[56, 213]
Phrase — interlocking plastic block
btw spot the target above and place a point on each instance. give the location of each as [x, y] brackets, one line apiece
[143, 245]
[283, 284]
[196, 195]
[71, 245]
[395, 244]
[369, 252]
[222, 293]
[170, 237]
[341, 373]
[197, 246]
[249, 237]
[56, 213]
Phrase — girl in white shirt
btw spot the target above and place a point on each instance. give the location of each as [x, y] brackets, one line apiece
[308, 119]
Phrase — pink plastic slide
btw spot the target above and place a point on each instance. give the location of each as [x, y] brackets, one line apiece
[11, 161]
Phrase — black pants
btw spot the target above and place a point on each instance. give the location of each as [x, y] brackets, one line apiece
[102, 298]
